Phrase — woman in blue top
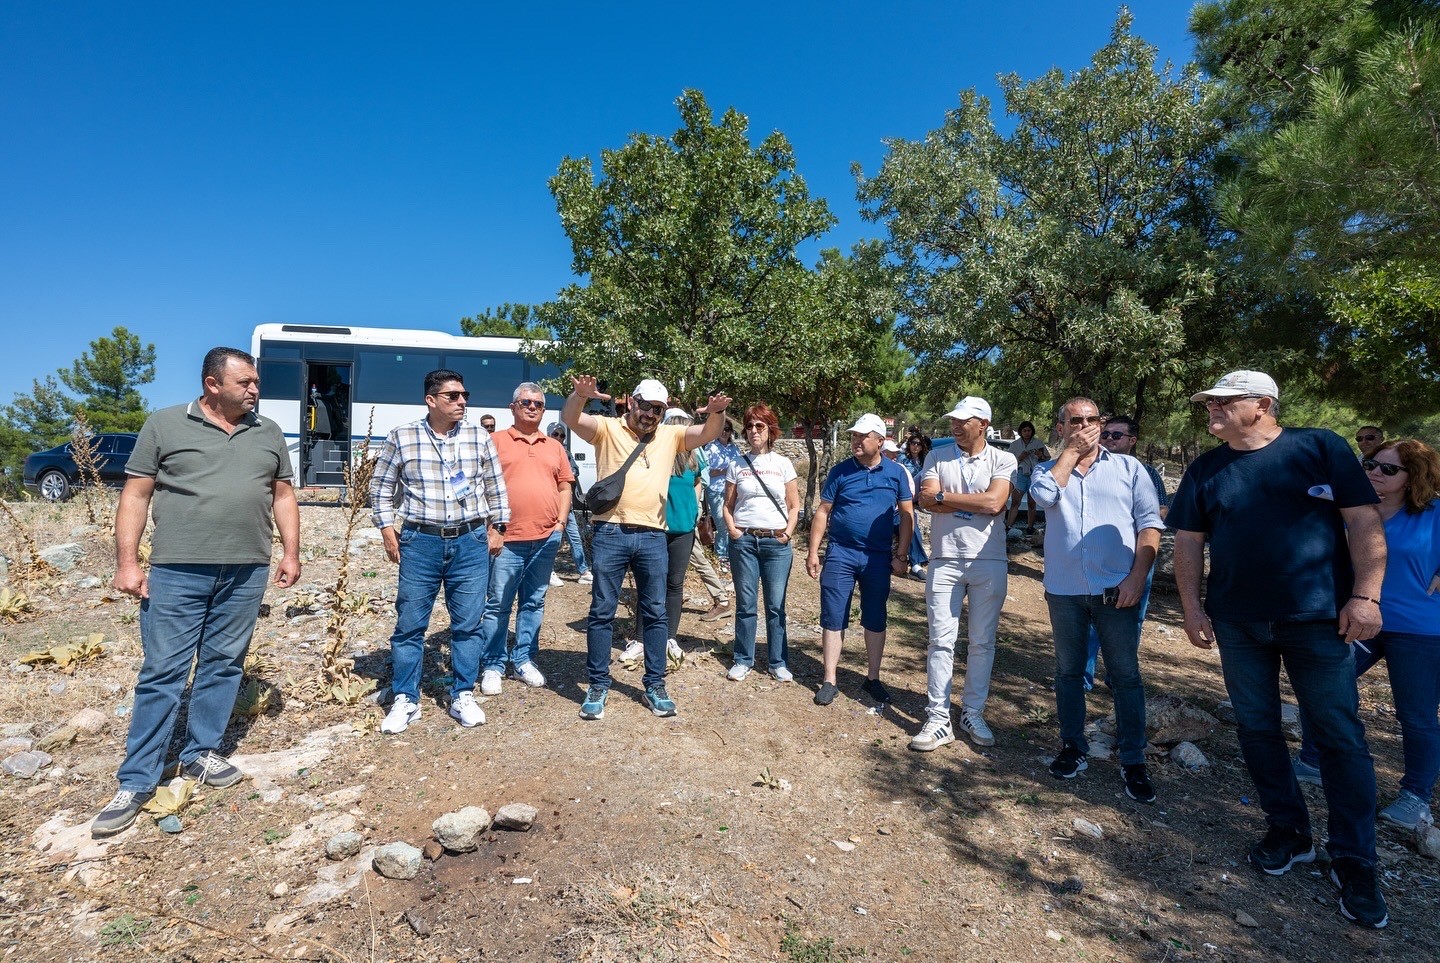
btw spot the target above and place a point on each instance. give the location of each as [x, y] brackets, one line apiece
[1406, 476]
[917, 446]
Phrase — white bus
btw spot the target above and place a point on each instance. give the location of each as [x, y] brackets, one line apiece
[321, 383]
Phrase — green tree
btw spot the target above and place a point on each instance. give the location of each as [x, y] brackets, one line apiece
[507, 321]
[32, 422]
[1080, 251]
[108, 378]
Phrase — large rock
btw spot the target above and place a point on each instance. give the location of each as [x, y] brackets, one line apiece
[26, 764]
[397, 861]
[343, 845]
[63, 557]
[1169, 720]
[459, 832]
[287, 763]
[516, 816]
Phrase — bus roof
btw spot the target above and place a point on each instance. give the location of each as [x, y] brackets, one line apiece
[411, 337]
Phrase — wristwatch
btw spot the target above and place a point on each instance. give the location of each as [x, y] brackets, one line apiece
[499, 527]
[940, 498]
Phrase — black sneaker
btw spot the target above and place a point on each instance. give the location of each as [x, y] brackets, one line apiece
[212, 769]
[119, 813]
[1137, 783]
[1360, 898]
[1070, 763]
[1282, 848]
[876, 690]
[826, 693]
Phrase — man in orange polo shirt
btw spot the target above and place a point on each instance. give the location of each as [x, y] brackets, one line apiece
[538, 477]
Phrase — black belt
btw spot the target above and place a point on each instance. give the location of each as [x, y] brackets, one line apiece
[630, 529]
[447, 531]
[765, 532]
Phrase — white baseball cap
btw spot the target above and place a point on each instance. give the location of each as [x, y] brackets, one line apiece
[867, 423]
[672, 413]
[1238, 383]
[651, 390]
[971, 407]
[889, 446]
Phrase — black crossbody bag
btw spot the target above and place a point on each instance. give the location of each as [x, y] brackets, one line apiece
[605, 493]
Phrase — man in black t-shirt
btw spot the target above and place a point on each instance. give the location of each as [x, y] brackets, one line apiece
[1297, 557]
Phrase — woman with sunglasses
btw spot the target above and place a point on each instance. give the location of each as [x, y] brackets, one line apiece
[762, 505]
[1406, 476]
[1029, 451]
[917, 446]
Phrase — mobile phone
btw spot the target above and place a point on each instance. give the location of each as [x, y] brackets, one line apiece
[1111, 595]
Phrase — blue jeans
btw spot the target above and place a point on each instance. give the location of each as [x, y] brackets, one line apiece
[757, 562]
[1413, 662]
[1071, 618]
[195, 613]
[1321, 668]
[716, 503]
[644, 551]
[1094, 649]
[462, 566]
[577, 544]
[522, 569]
[918, 555]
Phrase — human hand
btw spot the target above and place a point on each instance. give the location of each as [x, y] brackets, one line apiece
[1200, 631]
[717, 403]
[812, 565]
[288, 573]
[585, 387]
[898, 565]
[495, 540]
[392, 543]
[131, 579]
[1359, 620]
[1130, 590]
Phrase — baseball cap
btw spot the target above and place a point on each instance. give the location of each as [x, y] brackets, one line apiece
[677, 413]
[1238, 383]
[889, 446]
[651, 390]
[971, 407]
[867, 423]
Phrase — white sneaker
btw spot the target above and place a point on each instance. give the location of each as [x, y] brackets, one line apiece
[585, 579]
[490, 682]
[402, 713]
[555, 581]
[737, 672]
[782, 674]
[932, 736]
[634, 651]
[974, 725]
[530, 675]
[466, 711]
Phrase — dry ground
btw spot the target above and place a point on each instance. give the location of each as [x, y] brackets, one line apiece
[658, 839]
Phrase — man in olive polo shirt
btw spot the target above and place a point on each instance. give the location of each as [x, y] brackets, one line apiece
[210, 473]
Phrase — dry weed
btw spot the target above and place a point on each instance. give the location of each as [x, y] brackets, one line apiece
[85, 449]
[27, 565]
[650, 918]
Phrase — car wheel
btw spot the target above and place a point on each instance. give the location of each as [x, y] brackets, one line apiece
[54, 486]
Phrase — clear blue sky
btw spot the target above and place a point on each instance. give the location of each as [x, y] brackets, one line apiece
[190, 170]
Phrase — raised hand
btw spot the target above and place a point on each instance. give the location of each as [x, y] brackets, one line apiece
[717, 403]
[585, 387]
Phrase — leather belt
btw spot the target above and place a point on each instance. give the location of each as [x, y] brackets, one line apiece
[630, 529]
[765, 532]
[448, 531]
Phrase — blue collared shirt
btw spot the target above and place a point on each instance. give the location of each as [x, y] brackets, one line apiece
[1091, 523]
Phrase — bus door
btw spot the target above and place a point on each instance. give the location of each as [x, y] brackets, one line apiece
[325, 424]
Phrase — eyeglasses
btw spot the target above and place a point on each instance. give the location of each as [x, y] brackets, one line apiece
[1116, 435]
[1079, 420]
[1227, 402]
[757, 426]
[1367, 437]
[453, 395]
[531, 403]
[650, 407]
[1386, 469]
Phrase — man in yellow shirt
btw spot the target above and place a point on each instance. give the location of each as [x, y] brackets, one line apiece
[631, 534]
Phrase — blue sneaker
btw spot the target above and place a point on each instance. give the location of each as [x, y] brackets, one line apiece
[1304, 772]
[594, 705]
[659, 700]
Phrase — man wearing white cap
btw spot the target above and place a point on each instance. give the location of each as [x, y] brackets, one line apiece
[965, 488]
[1297, 559]
[856, 503]
[631, 533]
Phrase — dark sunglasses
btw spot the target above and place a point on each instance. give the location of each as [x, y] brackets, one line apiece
[453, 395]
[1117, 435]
[530, 403]
[1079, 420]
[650, 407]
[1386, 469]
[757, 424]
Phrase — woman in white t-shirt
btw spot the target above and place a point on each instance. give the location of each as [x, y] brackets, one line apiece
[762, 504]
[1029, 451]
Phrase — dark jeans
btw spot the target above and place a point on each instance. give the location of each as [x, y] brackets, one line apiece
[1071, 618]
[678, 546]
[757, 562]
[642, 550]
[1413, 662]
[1321, 668]
[1094, 649]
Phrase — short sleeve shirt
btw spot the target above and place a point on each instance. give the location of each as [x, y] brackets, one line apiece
[535, 467]
[1412, 540]
[862, 501]
[967, 535]
[642, 502]
[753, 508]
[1277, 540]
[214, 492]
[1027, 454]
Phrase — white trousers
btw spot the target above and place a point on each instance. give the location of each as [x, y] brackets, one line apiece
[949, 581]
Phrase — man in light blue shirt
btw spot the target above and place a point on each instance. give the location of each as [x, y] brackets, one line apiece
[1102, 530]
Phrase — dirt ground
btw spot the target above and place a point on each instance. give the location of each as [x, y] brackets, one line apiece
[752, 826]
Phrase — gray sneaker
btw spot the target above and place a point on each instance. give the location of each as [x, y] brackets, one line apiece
[1408, 811]
[119, 813]
[212, 769]
[1304, 772]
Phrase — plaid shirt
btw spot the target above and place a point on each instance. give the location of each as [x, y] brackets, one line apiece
[411, 458]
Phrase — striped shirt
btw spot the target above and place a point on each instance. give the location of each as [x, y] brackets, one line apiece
[423, 464]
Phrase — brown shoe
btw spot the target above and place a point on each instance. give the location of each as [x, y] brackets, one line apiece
[718, 611]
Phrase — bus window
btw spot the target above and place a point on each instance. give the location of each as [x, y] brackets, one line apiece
[393, 376]
[491, 378]
[279, 380]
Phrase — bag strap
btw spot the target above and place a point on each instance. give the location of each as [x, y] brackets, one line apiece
[771, 495]
[634, 454]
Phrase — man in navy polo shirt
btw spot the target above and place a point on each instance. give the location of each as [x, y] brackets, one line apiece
[856, 504]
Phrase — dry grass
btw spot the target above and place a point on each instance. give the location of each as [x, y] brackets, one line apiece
[648, 916]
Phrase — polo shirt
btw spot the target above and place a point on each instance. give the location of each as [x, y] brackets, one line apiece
[861, 502]
[647, 483]
[535, 467]
[967, 535]
[214, 492]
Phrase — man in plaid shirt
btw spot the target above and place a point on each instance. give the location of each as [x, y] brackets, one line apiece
[451, 520]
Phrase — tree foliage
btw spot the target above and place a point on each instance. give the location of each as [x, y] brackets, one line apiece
[507, 321]
[108, 378]
[32, 422]
[1079, 251]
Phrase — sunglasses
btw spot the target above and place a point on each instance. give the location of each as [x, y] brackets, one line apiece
[650, 407]
[1386, 469]
[453, 395]
[1367, 437]
[1117, 435]
[1079, 420]
[1227, 402]
[757, 426]
[530, 403]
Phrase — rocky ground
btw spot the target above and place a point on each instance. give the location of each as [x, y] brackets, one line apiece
[752, 826]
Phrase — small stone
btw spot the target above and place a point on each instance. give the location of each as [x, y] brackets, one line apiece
[58, 688]
[272, 796]
[516, 816]
[397, 861]
[432, 850]
[24, 765]
[88, 582]
[1189, 755]
[343, 845]
[1087, 828]
[171, 824]
[89, 721]
[844, 846]
[459, 832]
[58, 738]
[418, 925]
[1054, 935]
[1072, 884]
[14, 744]
[280, 889]
[1427, 840]
[63, 557]
[1245, 919]
[883, 830]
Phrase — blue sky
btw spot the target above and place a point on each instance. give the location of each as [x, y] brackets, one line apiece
[191, 170]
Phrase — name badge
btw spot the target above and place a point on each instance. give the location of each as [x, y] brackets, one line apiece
[460, 486]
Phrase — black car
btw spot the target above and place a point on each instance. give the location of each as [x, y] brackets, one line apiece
[53, 475]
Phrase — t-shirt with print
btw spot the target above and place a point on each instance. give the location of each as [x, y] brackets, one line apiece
[862, 501]
[534, 469]
[1277, 552]
[753, 508]
[967, 535]
[647, 483]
